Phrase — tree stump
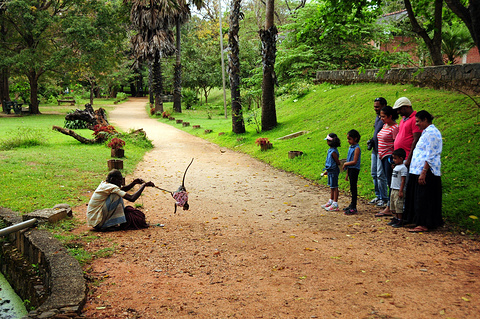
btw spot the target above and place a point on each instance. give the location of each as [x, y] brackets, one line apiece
[267, 146]
[186, 124]
[196, 126]
[89, 115]
[119, 152]
[179, 121]
[293, 154]
[115, 164]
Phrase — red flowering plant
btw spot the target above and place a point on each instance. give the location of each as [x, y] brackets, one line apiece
[116, 143]
[99, 130]
[262, 141]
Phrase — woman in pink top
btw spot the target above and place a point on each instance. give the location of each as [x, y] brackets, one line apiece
[386, 136]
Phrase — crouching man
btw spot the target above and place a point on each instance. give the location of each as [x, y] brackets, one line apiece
[106, 210]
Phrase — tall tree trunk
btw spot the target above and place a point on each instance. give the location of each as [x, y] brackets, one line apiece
[158, 83]
[139, 83]
[177, 80]
[434, 45]
[150, 84]
[268, 36]
[238, 125]
[92, 91]
[33, 80]
[4, 88]
[474, 9]
[4, 70]
[469, 15]
[133, 88]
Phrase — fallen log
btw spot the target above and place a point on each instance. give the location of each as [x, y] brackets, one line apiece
[79, 138]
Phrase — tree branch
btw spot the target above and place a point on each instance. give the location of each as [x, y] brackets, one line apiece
[79, 138]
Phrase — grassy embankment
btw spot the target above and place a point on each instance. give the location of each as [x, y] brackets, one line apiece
[328, 108]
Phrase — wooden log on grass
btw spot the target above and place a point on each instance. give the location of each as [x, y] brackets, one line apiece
[79, 138]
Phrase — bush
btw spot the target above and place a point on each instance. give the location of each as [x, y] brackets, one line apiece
[75, 124]
[120, 97]
[189, 98]
[52, 100]
[137, 138]
[21, 90]
[295, 89]
[22, 137]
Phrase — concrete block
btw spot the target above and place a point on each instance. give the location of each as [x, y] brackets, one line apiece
[49, 215]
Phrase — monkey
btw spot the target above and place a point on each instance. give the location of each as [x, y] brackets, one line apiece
[180, 195]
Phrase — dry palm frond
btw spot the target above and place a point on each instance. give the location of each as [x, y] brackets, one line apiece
[153, 20]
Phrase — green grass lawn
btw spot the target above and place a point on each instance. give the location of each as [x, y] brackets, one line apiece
[330, 108]
[46, 167]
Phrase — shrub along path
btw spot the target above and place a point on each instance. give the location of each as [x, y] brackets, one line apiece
[256, 244]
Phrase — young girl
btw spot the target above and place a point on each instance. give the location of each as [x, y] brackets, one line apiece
[386, 138]
[353, 168]
[332, 169]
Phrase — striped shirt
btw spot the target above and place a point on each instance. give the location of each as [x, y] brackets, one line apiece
[386, 137]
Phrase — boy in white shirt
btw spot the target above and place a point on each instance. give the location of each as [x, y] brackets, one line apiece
[399, 176]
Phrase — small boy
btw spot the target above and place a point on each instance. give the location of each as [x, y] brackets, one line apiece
[399, 176]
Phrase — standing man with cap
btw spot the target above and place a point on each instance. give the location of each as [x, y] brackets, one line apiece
[408, 132]
[378, 175]
[407, 138]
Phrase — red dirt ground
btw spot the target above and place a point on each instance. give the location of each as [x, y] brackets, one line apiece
[256, 244]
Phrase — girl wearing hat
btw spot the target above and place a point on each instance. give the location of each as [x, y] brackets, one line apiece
[332, 170]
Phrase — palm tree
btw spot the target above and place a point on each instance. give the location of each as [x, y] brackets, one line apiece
[456, 42]
[183, 15]
[238, 126]
[268, 36]
[152, 19]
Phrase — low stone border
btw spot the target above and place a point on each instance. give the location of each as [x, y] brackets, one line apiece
[463, 77]
[56, 286]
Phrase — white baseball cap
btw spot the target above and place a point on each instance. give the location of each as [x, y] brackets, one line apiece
[403, 101]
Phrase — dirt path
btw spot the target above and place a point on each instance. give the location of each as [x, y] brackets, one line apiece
[256, 244]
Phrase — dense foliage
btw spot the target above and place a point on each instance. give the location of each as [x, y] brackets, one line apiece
[54, 45]
[320, 36]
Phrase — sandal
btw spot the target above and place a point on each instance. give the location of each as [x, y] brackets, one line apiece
[418, 229]
[382, 214]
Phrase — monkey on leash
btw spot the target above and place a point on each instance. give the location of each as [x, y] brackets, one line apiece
[181, 194]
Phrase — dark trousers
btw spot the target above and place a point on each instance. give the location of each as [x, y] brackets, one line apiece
[353, 178]
[423, 203]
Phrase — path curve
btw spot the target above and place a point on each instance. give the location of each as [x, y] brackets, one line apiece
[256, 244]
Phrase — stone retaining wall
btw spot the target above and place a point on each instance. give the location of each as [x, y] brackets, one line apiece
[464, 77]
[54, 285]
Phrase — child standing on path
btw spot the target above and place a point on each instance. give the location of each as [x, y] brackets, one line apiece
[332, 170]
[353, 169]
[397, 186]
